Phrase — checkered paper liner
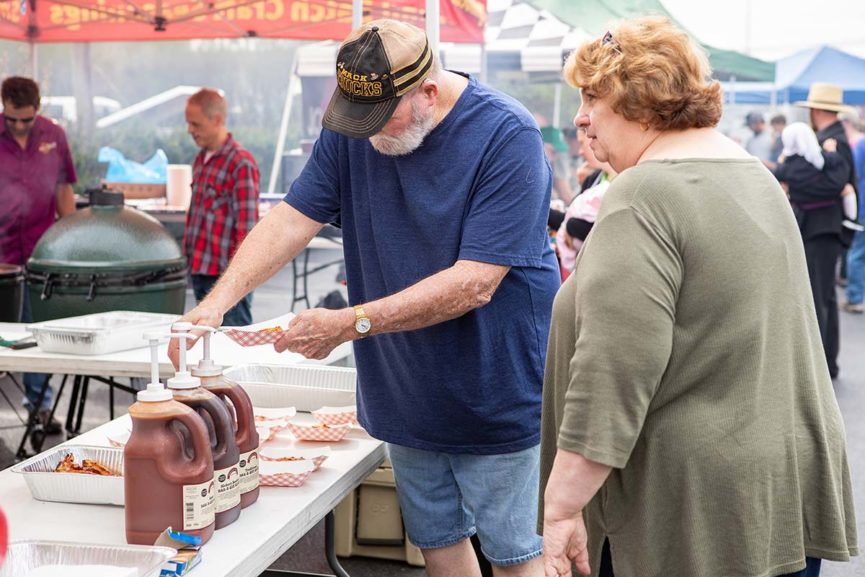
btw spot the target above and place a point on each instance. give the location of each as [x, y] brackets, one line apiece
[283, 479]
[284, 474]
[333, 416]
[316, 461]
[252, 338]
[329, 433]
[266, 434]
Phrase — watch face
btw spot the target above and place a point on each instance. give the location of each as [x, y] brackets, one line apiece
[362, 325]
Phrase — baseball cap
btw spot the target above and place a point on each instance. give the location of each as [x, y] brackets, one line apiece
[375, 66]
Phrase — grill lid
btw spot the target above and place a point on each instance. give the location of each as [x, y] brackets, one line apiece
[107, 236]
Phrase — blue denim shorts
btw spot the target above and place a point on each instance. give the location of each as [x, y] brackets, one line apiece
[446, 498]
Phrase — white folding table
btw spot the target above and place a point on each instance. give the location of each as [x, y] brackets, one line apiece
[245, 548]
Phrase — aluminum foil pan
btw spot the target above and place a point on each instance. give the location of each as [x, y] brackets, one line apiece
[306, 387]
[61, 559]
[46, 485]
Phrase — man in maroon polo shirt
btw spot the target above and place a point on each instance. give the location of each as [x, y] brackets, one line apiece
[36, 177]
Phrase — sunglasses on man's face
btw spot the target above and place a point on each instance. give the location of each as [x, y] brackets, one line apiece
[13, 120]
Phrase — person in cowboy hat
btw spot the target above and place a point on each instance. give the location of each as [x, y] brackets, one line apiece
[823, 231]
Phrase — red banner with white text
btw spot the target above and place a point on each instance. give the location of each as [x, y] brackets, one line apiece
[122, 20]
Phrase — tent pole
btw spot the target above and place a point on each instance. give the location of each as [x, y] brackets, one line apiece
[283, 125]
[34, 61]
[356, 13]
[432, 25]
[557, 105]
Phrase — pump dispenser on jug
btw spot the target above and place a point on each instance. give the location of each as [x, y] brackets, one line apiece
[240, 406]
[220, 424]
[168, 465]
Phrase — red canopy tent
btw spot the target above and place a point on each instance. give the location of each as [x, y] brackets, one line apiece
[83, 21]
[127, 20]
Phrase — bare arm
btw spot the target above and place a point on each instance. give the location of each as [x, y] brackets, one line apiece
[573, 481]
[272, 243]
[441, 297]
[65, 200]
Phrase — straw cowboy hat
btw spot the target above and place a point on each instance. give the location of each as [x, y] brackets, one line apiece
[824, 96]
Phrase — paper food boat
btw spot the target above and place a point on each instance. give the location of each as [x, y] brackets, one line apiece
[319, 432]
[251, 336]
[336, 415]
[284, 473]
[316, 456]
[270, 421]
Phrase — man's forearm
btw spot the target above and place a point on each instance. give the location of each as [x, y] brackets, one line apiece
[441, 297]
[272, 243]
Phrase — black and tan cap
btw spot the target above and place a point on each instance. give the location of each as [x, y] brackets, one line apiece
[376, 65]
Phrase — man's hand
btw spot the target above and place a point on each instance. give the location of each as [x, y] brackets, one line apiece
[830, 145]
[314, 333]
[200, 315]
[564, 543]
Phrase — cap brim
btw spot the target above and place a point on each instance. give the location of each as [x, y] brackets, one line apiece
[357, 119]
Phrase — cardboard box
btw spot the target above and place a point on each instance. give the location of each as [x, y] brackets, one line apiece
[369, 522]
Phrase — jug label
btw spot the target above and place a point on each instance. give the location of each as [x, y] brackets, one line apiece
[227, 487]
[199, 505]
[248, 471]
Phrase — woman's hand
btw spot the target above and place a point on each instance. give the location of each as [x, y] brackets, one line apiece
[573, 481]
[564, 544]
[830, 145]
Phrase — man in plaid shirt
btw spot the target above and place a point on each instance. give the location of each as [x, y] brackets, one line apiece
[224, 205]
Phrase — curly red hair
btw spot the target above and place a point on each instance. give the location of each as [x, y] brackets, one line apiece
[652, 72]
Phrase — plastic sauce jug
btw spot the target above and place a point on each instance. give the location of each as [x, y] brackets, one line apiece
[240, 405]
[168, 466]
[220, 425]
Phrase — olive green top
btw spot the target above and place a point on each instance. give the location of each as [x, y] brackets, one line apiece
[684, 353]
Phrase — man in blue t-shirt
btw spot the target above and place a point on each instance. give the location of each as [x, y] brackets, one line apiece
[442, 191]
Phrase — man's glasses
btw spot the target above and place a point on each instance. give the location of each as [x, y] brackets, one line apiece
[13, 120]
[608, 39]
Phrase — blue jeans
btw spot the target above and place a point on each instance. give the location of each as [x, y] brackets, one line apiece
[33, 382]
[445, 498]
[856, 270]
[238, 316]
[812, 566]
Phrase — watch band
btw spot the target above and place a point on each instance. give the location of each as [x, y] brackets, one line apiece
[358, 312]
[362, 324]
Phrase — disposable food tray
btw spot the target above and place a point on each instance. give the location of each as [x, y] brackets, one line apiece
[306, 388]
[46, 485]
[98, 333]
[26, 557]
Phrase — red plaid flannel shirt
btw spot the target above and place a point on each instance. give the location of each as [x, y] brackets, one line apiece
[223, 208]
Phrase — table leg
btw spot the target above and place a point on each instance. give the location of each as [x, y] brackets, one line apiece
[329, 552]
[32, 418]
[85, 384]
[73, 402]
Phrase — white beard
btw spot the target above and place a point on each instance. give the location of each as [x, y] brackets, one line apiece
[410, 140]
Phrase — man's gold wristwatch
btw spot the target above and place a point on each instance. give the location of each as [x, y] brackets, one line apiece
[362, 323]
